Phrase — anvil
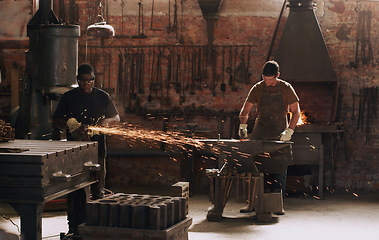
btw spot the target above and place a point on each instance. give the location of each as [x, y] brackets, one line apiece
[236, 164]
[238, 155]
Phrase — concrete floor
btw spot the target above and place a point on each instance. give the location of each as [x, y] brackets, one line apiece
[337, 216]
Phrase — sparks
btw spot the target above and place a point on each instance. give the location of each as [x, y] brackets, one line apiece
[133, 133]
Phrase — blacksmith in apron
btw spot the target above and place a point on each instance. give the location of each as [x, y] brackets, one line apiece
[272, 98]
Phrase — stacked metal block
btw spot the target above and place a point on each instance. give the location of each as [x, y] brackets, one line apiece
[136, 211]
[181, 189]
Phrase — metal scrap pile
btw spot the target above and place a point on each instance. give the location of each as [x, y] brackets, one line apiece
[6, 132]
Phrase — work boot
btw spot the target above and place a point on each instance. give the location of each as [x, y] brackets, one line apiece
[70, 236]
[280, 213]
[247, 208]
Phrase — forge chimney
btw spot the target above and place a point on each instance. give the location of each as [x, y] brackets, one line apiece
[302, 53]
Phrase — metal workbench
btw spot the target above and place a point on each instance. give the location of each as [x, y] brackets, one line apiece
[33, 172]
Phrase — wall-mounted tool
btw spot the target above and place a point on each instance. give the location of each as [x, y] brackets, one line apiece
[174, 26]
[152, 18]
[181, 39]
[363, 41]
[223, 85]
[120, 75]
[216, 77]
[141, 33]
[151, 54]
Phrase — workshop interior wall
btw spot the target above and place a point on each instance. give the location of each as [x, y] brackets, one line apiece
[242, 27]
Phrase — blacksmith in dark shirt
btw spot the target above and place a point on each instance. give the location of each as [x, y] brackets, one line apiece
[77, 109]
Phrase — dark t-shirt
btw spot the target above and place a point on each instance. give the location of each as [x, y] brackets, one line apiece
[286, 89]
[86, 108]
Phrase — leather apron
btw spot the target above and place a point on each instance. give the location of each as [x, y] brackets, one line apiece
[271, 121]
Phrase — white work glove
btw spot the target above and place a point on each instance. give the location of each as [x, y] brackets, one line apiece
[243, 131]
[73, 124]
[286, 134]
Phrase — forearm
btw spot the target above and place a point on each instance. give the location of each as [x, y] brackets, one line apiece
[245, 111]
[294, 119]
[295, 110]
[110, 121]
[243, 119]
[60, 123]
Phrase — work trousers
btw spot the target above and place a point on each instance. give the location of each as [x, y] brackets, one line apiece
[76, 201]
[275, 182]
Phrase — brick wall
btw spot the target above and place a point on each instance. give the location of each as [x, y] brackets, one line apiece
[245, 26]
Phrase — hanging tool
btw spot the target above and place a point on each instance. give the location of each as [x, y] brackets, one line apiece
[214, 70]
[241, 71]
[223, 86]
[169, 17]
[120, 75]
[122, 17]
[360, 109]
[109, 71]
[151, 73]
[107, 10]
[199, 77]
[205, 66]
[182, 77]
[174, 26]
[139, 71]
[132, 94]
[178, 84]
[353, 113]
[168, 77]
[229, 68]
[188, 69]
[141, 90]
[193, 71]
[152, 18]
[248, 64]
[105, 68]
[366, 48]
[159, 72]
[141, 33]
[181, 39]
[234, 87]
[363, 51]
[126, 76]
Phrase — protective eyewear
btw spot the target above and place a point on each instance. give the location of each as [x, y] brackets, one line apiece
[89, 81]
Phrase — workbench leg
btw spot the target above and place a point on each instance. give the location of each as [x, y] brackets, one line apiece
[262, 216]
[321, 172]
[31, 220]
[190, 168]
[214, 214]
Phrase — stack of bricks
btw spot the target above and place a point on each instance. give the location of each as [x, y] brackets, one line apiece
[136, 211]
[181, 189]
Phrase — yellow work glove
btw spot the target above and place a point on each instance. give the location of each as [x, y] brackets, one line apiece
[73, 124]
[286, 134]
[243, 131]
